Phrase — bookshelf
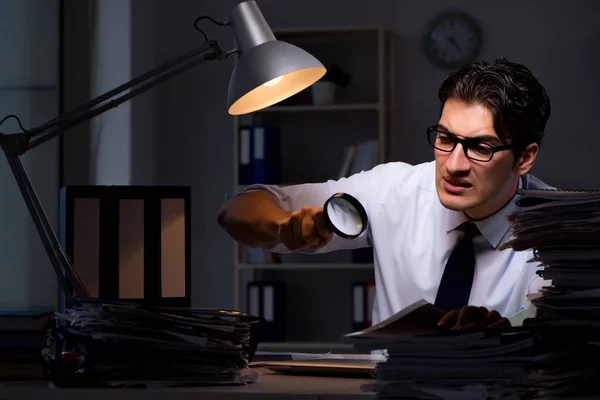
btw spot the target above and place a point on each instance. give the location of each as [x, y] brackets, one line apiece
[314, 139]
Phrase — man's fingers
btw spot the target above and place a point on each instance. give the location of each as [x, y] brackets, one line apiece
[300, 230]
[296, 228]
[503, 323]
[322, 229]
[449, 319]
[309, 232]
[491, 319]
[305, 228]
[286, 236]
[469, 314]
[493, 316]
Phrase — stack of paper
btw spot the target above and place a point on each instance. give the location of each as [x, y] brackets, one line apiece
[513, 363]
[125, 344]
[425, 362]
[563, 229]
[554, 353]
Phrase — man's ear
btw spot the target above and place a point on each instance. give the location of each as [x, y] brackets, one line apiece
[525, 162]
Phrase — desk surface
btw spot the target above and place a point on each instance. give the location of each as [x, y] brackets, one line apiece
[270, 385]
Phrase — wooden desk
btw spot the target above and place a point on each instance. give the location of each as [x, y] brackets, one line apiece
[270, 385]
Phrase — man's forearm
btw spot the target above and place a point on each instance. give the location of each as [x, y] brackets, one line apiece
[252, 219]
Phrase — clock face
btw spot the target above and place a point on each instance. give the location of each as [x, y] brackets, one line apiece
[452, 40]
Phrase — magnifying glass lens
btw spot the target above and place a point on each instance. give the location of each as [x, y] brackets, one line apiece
[345, 215]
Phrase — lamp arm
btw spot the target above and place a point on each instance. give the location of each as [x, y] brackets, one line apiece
[14, 145]
[20, 143]
[176, 61]
[84, 115]
[68, 279]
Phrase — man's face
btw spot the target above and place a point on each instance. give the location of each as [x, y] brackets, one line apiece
[477, 188]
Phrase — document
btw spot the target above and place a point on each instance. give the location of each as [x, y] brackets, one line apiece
[419, 318]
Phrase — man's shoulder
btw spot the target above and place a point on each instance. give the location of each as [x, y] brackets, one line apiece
[410, 174]
[531, 182]
[391, 181]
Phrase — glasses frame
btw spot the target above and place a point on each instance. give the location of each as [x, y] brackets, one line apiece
[465, 144]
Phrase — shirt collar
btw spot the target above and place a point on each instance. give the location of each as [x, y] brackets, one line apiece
[493, 228]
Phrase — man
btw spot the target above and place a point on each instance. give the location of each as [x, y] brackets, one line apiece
[493, 117]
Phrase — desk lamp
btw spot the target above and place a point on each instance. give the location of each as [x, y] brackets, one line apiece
[267, 72]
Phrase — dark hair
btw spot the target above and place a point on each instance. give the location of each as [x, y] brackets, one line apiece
[518, 102]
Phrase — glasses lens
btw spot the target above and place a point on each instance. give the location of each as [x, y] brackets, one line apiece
[441, 140]
[480, 152]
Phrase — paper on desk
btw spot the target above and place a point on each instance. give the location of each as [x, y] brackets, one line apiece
[260, 357]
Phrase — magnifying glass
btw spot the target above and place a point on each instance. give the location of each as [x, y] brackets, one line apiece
[345, 215]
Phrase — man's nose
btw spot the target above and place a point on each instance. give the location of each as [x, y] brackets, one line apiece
[458, 161]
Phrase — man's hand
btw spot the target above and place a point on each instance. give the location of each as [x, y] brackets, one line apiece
[305, 229]
[471, 319]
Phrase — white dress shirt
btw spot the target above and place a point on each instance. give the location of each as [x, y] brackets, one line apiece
[412, 236]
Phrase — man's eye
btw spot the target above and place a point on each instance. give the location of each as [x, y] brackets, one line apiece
[445, 138]
[482, 148]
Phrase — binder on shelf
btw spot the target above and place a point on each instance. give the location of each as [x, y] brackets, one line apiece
[358, 308]
[245, 156]
[363, 297]
[268, 300]
[259, 159]
[370, 302]
[266, 157]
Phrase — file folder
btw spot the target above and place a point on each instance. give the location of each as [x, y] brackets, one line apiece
[370, 301]
[266, 157]
[363, 298]
[259, 154]
[268, 300]
[245, 155]
[358, 306]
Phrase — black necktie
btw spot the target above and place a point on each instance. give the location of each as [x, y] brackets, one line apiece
[455, 287]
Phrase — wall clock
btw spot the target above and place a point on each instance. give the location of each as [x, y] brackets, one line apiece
[452, 40]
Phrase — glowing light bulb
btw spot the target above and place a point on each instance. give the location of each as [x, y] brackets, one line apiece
[273, 82]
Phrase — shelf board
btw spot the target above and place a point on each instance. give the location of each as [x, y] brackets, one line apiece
[334, 30]
[286, 346]
[26, 88]
[322, 107]
[244, 186]
[284, 266]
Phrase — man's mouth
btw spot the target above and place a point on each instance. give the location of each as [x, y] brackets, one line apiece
[458, 182]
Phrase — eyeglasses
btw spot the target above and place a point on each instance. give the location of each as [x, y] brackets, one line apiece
[474, 148]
